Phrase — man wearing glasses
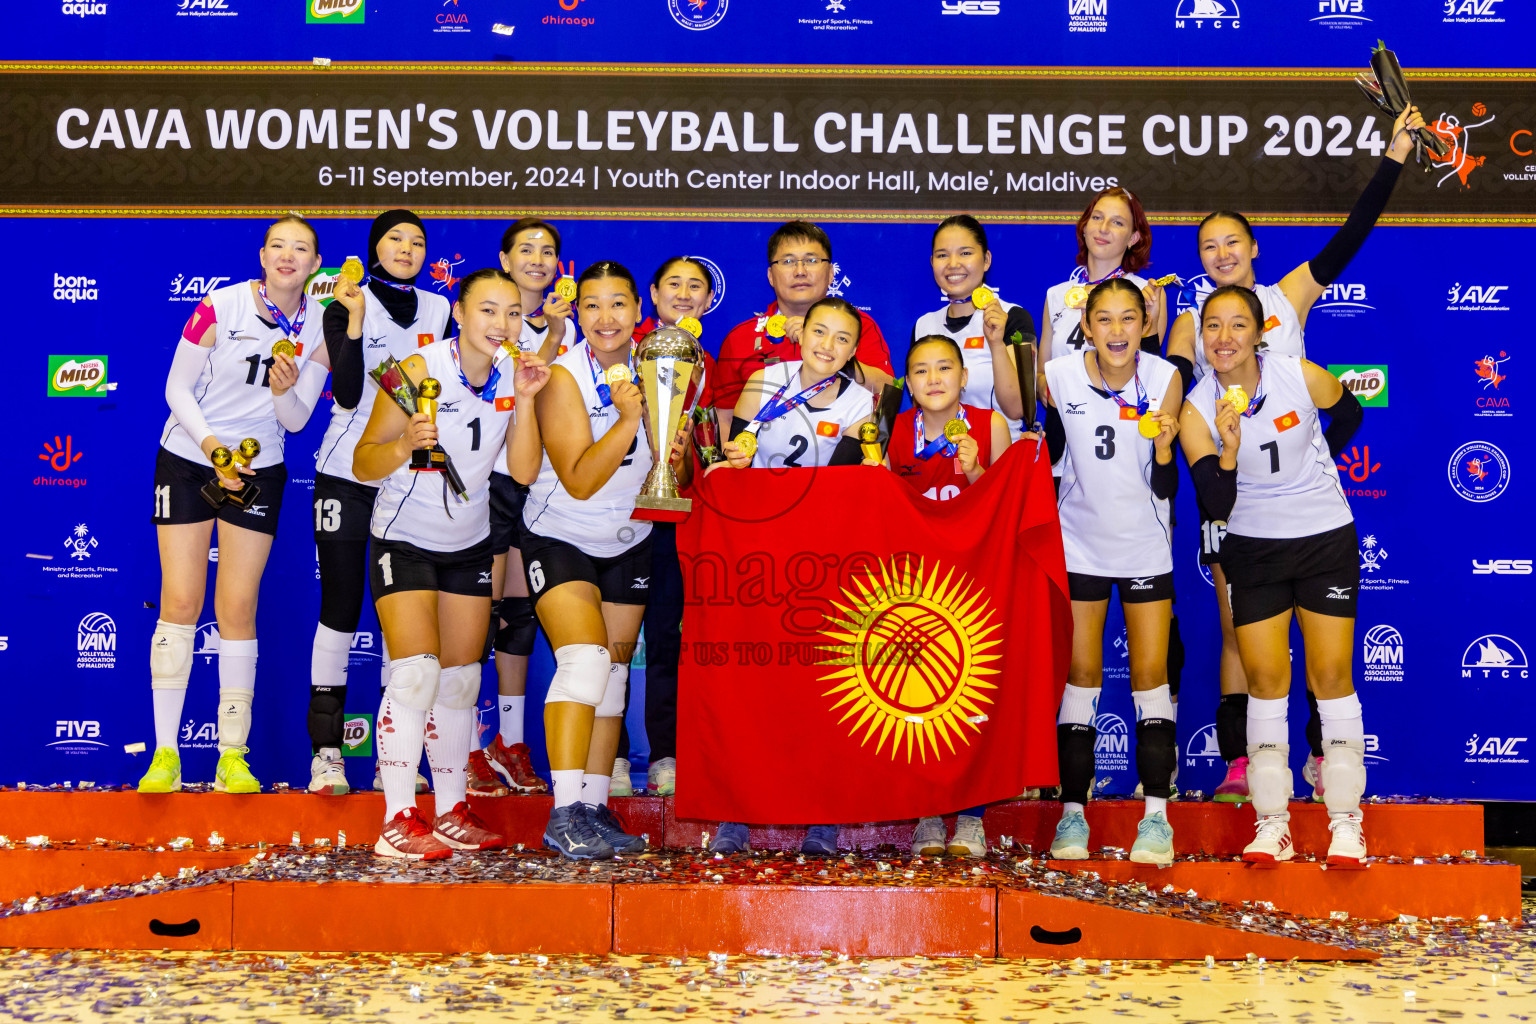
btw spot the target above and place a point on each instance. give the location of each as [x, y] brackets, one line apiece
[800, 271]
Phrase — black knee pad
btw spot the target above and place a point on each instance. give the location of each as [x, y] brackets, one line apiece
[327, 712]
[1074, 756]
[516, 636]
[1157, 750]
[1175, 657]
[1232, 726]
[1314, 726]
[343, 566]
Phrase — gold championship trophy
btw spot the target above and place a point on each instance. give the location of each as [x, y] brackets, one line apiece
[412, 398]
[227, 464]
[875, 436]
[670, 375]
[1023, 343]
[433, 459]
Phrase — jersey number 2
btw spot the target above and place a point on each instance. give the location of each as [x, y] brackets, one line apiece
[799, 443]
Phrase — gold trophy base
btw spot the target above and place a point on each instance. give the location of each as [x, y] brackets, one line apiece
[662, 510]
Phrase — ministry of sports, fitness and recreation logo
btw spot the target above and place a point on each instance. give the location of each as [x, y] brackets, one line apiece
[1495, 656]
[1382, 652]
[1478, 471]
[96, 642]
[913, 650]
[1206, 14]
[79, 560]
[697, 14]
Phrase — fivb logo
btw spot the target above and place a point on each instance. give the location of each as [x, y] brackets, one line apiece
[1341, 13]
[76, 737]
[1344, 299]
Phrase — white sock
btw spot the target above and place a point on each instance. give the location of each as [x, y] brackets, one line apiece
[512, 719]
[168, 705]
[594, 789]
[448, 731]
[1156, 805]
[567, 785]
[328, 657]
[170, 666]
[237, 691]
[1342, 719]
[1078, 705]
[1153, 703]
[1266, 722]
[400, 736]
[1068, 807]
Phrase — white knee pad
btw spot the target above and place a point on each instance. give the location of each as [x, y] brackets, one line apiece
[459, 686]
[413, 681]
[581, 675]
[170, 655]
[1343, 775]
[612, 705]
[1269, 778]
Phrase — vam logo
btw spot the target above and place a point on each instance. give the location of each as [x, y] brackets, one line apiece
[96, 642]
[1382, 652]
[1206, 14]
[1087, 16]
[1111, 747]
[1494, 656]
[1478, 471]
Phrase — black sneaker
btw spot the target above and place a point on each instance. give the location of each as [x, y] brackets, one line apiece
[608, 826]
[731, 838]
[570, 832]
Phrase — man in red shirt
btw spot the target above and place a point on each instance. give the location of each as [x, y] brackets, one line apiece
[800, 271]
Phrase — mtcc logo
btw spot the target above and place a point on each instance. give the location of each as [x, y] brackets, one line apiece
[1494, 656]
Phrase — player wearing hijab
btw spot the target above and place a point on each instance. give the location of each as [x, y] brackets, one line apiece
[1262, 463]
[588, 564]
[1227, 252]
[1111, 410]
[365, 323]
[227, 384]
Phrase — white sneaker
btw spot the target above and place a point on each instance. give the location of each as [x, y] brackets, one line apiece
[661, 778]
[1271, 842]
[327, 775]
[422, 786]
[1347, 849]
[928, 837]
[970, 839]
[622, 784]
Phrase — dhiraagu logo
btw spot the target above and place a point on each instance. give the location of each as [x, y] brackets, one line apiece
[77, 376]
[334, 12]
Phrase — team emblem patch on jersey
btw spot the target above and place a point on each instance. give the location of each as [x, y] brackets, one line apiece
[423, 340]
[975, 342]
[561, 352]
[1271, 323]
[504, 404]
[828, 429]
[1128, 412]
[1286, 422]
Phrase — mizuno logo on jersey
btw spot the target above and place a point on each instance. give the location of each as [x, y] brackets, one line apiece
[1286, 422]
[975, 342]
[423, 340]
[379, 342]
[827, 429]
[235, 335]
[641, 583]
[1339, 593]
[1075, 409]
[1142, 582]
[448, 406]
[1271, 323]
[504, 404]
[257, 510]
[485, 576]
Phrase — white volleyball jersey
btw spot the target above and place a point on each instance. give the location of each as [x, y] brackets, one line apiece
[1111, 524]
[1283, 335]
[805, 437]
[600, 526]
[980, 387]
[530, 340]
[472, 429]
[1287, 483]
[233, 391]
[382, 337]
[1067, 321]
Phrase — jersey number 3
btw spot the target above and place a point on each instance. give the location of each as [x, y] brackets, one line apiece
[1105, 449]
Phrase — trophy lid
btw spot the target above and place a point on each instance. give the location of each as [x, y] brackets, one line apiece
[668, 341]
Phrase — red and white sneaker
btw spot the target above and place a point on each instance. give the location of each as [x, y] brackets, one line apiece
[1347, 848]
[461, 830]
[407, 837]
[515, 766]
[482, 780]
[1272, 842]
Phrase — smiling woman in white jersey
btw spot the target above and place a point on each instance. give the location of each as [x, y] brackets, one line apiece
[1262, 462]
[960, 259]
[221, 392]
[430, 568]
[366, 323]
[1112, 410]
[588, 564]
[1227, 252]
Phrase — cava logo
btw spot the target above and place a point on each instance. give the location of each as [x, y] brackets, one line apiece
[1382, 652]
[77, 376]
[1366, 383]
[335, 12]
[96, 642]
[912, 652]
[1478, 471]
[1494, 656]
[1492, 371]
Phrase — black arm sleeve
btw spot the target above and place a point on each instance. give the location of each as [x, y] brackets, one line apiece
[1215, 487]
[1344, 418]
[1327, 265]
[847, 453]
[346, 357]
[1165, 479]
[1152, 344]
[1055, 434]
[1186, 372]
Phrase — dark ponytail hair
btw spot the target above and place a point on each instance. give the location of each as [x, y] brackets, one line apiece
[1227, 215]
[608, 268]
[519, 226]
[1103, 289]
[468, 282]
[692, 261]
[851, 368]
[935, 339]
[1255, 307]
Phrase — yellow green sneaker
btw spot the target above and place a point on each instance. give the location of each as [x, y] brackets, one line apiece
[233, 775]
[164, 775]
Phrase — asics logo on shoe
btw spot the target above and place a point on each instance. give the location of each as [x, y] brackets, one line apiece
[1339, 593]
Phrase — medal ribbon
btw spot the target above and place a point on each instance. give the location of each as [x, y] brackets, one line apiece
[605, 393]
[778, 405]
[1142, 402]
[370, 279]
[1258, 392]
[290, 330]
[941, 445]
[1117, 272]
[487, 391]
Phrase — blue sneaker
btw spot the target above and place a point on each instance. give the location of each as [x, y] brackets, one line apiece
[820, 841]
[731, 838]
[1071, 842]
[570, 832]
[608, 826]
[1154, 841]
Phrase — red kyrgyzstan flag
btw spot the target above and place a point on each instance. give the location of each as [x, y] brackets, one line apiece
[905, 656]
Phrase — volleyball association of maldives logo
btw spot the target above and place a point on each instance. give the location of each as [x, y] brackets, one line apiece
[914, 649]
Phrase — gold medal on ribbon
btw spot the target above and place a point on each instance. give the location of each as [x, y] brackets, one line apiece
[566, 288]
[1238, 398]
[1166, 279]
[1149, 426]
[692, 326]
[352, 269]
[983, 297]
[776, 325]
[616, 373]
[284, 347]
[1077, 295]
[956, 428]
[747, 442]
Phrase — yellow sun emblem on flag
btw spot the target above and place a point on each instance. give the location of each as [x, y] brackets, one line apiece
[912, 652]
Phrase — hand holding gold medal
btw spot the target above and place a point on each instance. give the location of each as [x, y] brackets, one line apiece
[566, 288]
[983, 297]
[352, 269]
[1236, 397]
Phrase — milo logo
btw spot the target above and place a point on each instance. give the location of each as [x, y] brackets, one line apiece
[335, 11]
[77, 376]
